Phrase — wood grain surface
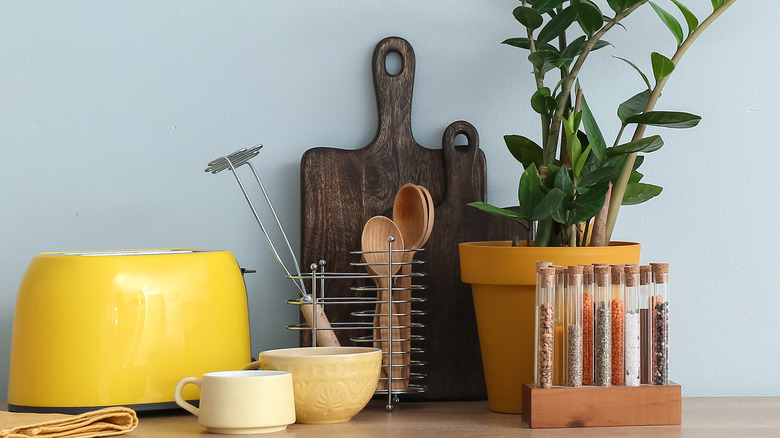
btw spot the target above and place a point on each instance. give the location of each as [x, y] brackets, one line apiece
[342, 188]
[753, 417]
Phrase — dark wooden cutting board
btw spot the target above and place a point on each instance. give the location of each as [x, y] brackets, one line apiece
[342, 188]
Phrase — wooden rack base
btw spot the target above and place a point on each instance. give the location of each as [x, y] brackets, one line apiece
[594, 406]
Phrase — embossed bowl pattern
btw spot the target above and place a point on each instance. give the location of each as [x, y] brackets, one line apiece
[331, 384]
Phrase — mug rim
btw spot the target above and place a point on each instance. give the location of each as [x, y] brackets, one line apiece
[242, 374]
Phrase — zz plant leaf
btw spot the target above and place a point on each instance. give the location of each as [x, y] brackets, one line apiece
[595, 138]
[637, 193]
[544, 60]
[667, 119]
[503, 213]
[600, 175]
[587, 204]
[589, 16]
[633, 106]
[529, 192]
[662, 66]
[542, 102]
[646, 144]
[644, 77]
[545, 6]
[551, 202]
[523, 43]
[670, 22]
[528, 17]
[523, 149]
[690, 19]
[557, 25]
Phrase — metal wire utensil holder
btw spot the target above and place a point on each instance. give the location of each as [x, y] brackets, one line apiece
[367, 296]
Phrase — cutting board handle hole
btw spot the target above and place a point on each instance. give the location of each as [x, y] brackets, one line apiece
[394, 64]
[461, 141]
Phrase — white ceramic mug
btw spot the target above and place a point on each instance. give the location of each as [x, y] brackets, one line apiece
[241, 402]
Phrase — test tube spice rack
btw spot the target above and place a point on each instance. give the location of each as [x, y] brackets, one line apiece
[602, 348]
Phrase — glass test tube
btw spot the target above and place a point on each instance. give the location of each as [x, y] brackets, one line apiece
[559, 376]
[545, 341]
[660, 302]
[573, 335]
[588, 287]
[539, 267]
[603, 330]
[631, 334]
[645, 325]
[618, 312]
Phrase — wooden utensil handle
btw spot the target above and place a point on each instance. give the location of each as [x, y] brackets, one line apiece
[382, 334]
[325, 334]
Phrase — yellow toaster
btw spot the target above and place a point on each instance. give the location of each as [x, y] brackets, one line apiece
[96, 329]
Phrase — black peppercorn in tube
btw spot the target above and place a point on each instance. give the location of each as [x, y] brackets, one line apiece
[660, 309]
[645, 325]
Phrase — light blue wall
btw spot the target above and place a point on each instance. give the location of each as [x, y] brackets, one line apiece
[109, 112]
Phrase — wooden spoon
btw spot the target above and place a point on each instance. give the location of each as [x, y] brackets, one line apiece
[410, 213]
[374, 244]
[429, 227]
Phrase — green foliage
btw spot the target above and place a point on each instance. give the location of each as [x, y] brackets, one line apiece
[690, 19]
[671, 22]
[568, 174]
[662, 66]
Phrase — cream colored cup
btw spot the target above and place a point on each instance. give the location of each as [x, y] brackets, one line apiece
[332, 384]
[241, 402]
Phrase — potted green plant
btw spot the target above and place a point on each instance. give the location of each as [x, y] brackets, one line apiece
[573, 184]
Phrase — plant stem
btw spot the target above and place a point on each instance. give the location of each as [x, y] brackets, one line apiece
[619, 189]
[619, 134]
[538, 76]
[551, 142]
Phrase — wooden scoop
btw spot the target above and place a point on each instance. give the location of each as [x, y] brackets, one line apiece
[429, 226]
[374, 244]
[410, 213]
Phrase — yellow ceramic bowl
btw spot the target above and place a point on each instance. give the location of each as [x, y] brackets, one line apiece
[331, 384]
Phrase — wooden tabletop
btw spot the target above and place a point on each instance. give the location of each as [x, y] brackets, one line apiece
[752, 417]
[702, 417]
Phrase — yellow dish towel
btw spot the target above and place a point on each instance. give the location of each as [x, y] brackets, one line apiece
[99, 423]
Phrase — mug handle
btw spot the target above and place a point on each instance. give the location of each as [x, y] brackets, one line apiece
[180, 400]
[254, 366]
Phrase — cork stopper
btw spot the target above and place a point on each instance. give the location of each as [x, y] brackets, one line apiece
[587, 275]
[602, 276]
[617, 274]
[574, 274]
[547, 277]
[541, 265]
[632, 275]
[660, 272]
[560, 272]
[645, 275]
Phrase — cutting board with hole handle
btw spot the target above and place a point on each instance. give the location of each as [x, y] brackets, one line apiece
[342, 188]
